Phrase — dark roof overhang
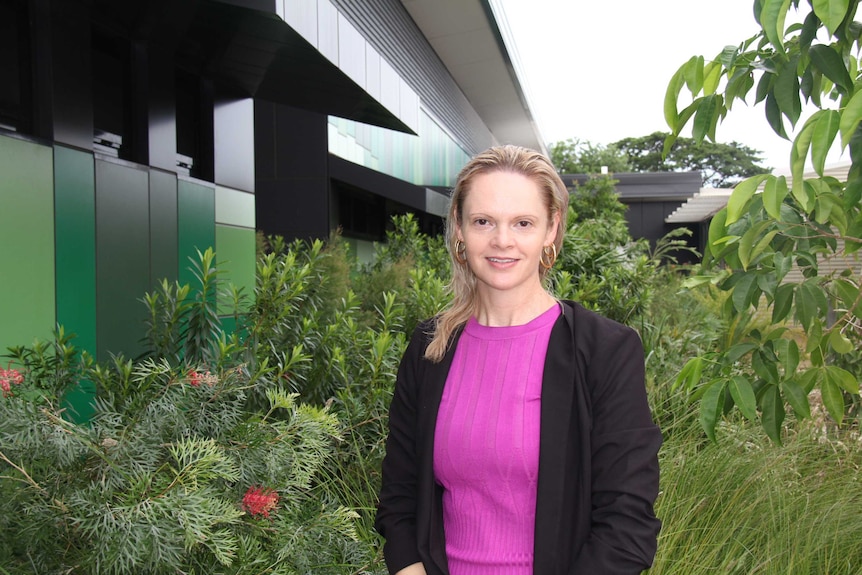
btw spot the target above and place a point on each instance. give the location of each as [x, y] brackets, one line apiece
[248, 49]
[422, 198]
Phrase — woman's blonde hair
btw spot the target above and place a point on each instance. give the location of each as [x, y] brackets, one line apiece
[514, 159]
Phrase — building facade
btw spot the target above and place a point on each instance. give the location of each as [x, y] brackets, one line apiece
[135, 133]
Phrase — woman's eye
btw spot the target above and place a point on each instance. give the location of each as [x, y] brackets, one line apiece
[523, 224]
[481, 221]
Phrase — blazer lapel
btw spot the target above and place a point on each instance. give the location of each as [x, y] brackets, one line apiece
[555, 437]
[433, 382]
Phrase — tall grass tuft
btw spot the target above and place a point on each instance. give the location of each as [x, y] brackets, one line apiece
[745, 505]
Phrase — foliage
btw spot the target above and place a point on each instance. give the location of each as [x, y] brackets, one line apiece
[743, 505]
[772, 225]
[597, 198]
[156, 482]
[600, 265]
[574, 156]
[721, 165]
[219, 467]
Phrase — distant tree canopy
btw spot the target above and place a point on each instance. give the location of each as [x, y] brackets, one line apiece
[721, 165]
[574, 156]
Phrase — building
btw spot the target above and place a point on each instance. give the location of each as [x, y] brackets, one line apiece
[659, 202]
[134, 133]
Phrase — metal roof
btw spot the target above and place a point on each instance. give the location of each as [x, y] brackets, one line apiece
[701, 206]
[472, 39]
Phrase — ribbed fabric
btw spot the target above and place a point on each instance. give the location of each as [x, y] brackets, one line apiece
[486, 446]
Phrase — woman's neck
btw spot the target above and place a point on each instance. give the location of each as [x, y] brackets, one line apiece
[502, 310]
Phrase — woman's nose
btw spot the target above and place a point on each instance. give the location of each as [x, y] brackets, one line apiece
[502, 236]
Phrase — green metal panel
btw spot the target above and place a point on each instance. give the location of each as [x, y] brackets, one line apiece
[75, 225]
[27, 301]
[163, 227]
[235, 253]
[234, 207]
[122, 257]
[195, 224]
[75, 228]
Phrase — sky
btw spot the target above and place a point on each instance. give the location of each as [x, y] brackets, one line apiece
[598, 70]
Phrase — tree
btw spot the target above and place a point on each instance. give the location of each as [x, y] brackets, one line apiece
[574, 156]
[770, 225]
[722, 165]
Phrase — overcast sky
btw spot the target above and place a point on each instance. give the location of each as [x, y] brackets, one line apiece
[598, 70]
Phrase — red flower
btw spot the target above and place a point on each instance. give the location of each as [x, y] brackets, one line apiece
[259, 501]
[195, 379]
[7, 378]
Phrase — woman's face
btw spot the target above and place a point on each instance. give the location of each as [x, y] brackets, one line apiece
[504, 227]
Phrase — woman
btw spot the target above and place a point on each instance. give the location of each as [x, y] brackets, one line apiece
[520, 439]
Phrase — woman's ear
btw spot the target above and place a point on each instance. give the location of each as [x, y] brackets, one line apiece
[554, 227]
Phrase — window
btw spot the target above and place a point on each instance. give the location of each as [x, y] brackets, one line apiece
[112, 96]
[15, 62]
[194, 105]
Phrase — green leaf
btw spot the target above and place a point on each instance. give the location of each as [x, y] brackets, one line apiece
[743, 292]
[711, 77]
[797, 398]
[850, 117]
[823, 207]
[772, 17]
[743, 396]
[740, 196]
[773, 116]
[832, 398]
[772, 412]
[843, 379]
[774, 192]
[693, 73]
[839, 342]
[689, 375]
[849, 294]
[786, 92]
[783, 302]
[824, 134]
[764, 243]
[670, 100]
[782, 264]
[798, 154]
[711, 405]
[705, 117]
[831, 12]
[788, 355]
[765, 367]
[828, 61]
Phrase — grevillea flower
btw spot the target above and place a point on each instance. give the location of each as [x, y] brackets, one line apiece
[7, 378]
[196, 378]
[259, 501]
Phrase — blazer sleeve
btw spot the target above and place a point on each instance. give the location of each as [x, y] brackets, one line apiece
[624, 458]
[396, 511]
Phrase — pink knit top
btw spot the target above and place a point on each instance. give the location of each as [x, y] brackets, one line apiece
[486, 446]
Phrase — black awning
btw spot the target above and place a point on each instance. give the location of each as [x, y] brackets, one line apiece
[246, 47]
[377, 183]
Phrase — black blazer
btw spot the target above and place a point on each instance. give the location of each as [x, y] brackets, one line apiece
[598, 455]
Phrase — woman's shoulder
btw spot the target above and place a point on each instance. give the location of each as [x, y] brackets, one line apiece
[592, 324]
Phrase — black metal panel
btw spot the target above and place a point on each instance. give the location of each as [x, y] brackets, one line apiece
[69, 97]
[388, 27]
[291, 182]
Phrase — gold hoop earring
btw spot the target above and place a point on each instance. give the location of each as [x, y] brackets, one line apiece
[549, 252]
[460, 252]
